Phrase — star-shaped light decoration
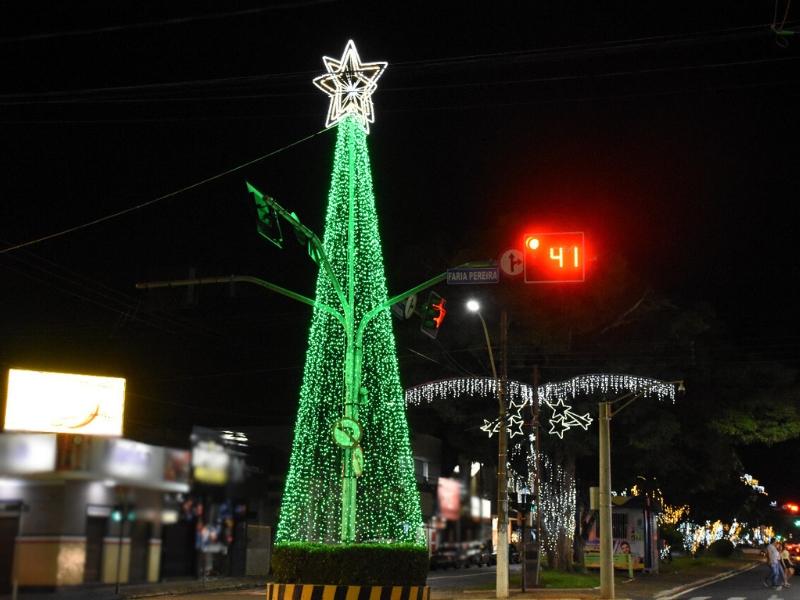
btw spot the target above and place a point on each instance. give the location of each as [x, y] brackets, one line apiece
[558, 426]
[350, 84]
[564, 419]
[514, 423]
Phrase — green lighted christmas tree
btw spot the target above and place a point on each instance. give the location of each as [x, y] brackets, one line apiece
[383, 500]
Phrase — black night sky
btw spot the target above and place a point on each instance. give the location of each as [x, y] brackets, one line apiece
[668, 134]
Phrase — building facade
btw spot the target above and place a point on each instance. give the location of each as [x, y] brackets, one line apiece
[84, 509]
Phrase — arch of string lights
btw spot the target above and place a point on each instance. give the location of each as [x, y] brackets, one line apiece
[520, 394]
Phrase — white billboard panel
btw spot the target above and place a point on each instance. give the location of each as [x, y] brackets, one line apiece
[64, 403]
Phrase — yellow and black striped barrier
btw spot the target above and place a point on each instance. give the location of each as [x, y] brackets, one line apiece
[309, 591]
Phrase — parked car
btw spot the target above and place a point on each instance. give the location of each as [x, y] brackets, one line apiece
[513, 555]
[477, 554]
[446, 556]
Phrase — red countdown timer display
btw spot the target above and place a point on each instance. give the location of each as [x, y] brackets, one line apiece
[554, 257]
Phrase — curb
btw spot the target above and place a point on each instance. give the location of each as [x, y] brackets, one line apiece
[191, 590]
[670, 593]
[531, 594]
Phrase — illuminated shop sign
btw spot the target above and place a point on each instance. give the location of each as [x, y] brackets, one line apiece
[449, 495]
[129, 460]
[27, 453]
[64, 403]
[210, 462]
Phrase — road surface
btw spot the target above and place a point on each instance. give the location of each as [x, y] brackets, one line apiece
[743, 586]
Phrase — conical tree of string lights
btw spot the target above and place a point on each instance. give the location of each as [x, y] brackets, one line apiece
[351, 453]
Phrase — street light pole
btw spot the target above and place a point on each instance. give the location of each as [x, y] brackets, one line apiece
[502, 487]
[501, 582]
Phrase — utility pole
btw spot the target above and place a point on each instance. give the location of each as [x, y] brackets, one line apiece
[606, 412]
[502, 486]
[537, 465]
[606, 541]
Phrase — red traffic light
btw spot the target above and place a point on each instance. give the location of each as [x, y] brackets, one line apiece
[792, 507]
[441, 312]
[432, 314]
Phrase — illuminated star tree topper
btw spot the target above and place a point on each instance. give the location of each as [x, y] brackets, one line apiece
[350, 84]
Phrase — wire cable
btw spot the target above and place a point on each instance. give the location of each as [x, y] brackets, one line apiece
[128, 307]
[159, 199]
[494, 82]
[517, 56]
[163, 22]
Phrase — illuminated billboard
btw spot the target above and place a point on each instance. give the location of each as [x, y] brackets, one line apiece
[64, 403]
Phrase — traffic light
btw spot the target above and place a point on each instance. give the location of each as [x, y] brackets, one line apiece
[267, 223]
[118, 511]
[303, 236]
[433, 312]
[554, 257]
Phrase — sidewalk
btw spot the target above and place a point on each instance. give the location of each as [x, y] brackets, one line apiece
[663, 586]
[143, 590]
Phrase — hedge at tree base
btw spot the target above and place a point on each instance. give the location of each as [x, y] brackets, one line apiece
[310, 591]
[363, 565]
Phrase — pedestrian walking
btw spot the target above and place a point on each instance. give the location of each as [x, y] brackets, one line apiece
[775, 577]
[787, 564]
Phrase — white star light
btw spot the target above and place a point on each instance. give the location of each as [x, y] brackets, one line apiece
[558, 426]
[563, 421]
[514, 422]
[350, 84]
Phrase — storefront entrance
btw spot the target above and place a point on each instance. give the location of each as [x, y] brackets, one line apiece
[8, 533]
[96, 528]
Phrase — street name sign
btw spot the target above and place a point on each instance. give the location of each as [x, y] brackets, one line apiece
[472, 275]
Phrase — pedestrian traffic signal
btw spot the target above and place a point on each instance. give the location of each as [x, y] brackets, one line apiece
[554, 257]
[433, 312]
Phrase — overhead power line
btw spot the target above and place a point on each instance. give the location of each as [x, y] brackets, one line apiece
[32, 37]
[492, 59]
[141, 205]
[57, 98]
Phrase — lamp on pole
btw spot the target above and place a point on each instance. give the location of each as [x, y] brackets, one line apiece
[607, 412]
[501, 584]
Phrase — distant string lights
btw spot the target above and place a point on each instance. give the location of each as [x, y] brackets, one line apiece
[753, 483]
